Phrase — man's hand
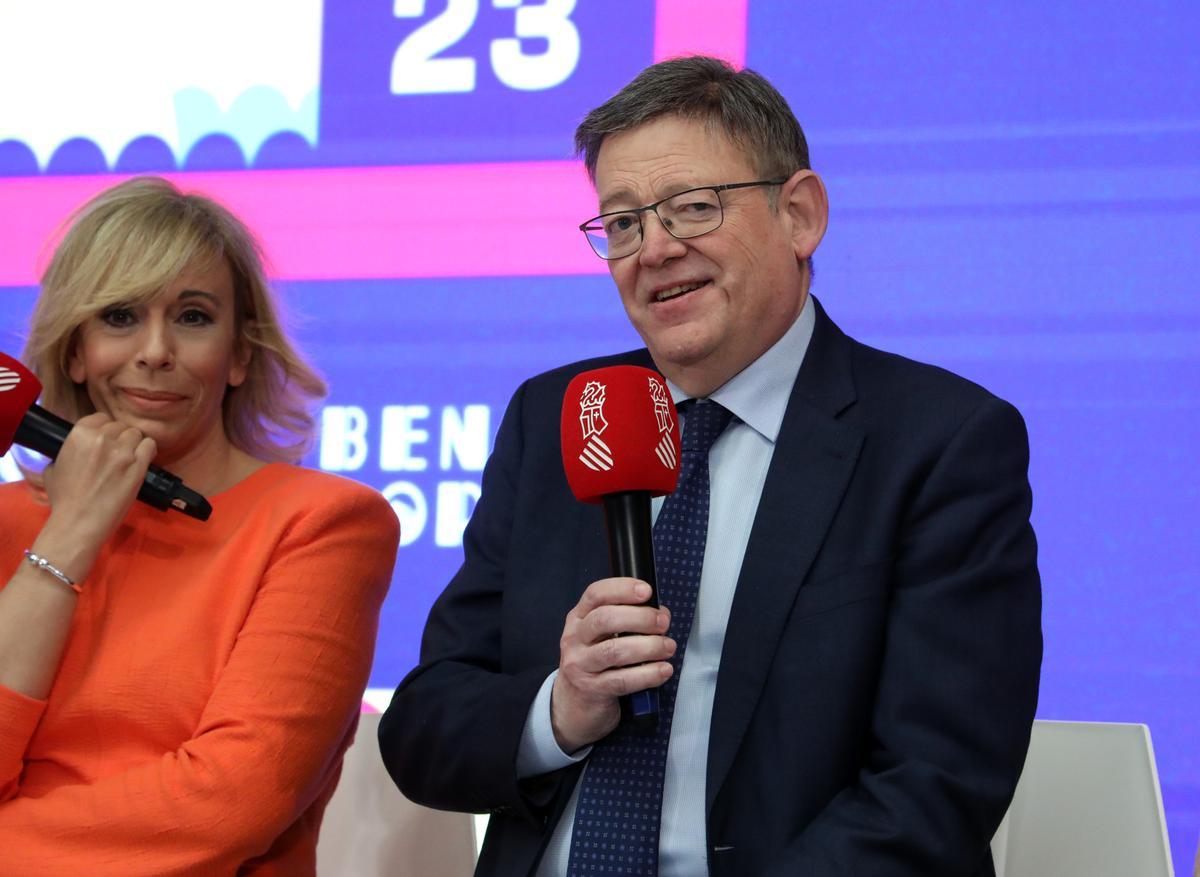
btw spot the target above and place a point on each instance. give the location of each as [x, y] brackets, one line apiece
[596, 666]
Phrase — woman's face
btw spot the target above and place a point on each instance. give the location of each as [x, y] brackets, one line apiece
[164, 366]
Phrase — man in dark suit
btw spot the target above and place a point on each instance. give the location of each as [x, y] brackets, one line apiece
[853, 690]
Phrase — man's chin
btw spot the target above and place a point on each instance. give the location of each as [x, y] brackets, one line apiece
[684, 346]
[684, 364]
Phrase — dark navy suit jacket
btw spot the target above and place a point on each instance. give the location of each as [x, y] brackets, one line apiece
[880, 669]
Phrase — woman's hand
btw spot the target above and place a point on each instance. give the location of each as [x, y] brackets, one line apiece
[91, 485]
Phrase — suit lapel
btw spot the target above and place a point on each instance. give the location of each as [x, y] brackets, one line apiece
[811, 466]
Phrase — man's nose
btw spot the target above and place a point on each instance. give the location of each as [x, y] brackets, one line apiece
[658, 244]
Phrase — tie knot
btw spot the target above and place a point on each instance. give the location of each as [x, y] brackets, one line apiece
[704, 420]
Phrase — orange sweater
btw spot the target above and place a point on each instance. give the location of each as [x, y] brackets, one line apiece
[210, 684]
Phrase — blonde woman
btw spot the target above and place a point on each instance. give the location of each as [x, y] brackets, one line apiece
[176, 695]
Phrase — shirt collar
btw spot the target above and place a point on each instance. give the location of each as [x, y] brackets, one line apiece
[758, 394]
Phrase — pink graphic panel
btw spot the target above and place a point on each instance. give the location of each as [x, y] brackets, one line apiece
[351, 223]
[509, 219]
[704, 27]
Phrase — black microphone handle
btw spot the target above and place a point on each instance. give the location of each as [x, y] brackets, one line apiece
[631, 553]
[630, 544]
[43, 431]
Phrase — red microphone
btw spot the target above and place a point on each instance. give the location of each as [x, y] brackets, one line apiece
[32, 426]
[620, 445]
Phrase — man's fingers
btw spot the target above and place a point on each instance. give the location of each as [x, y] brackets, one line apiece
[609, 592]
[606, 621]
[624, 651]
[597, 665]
[627, 680]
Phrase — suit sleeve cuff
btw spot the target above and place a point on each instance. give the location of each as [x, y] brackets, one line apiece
[539, 752]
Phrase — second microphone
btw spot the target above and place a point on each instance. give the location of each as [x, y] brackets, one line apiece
[620, 446]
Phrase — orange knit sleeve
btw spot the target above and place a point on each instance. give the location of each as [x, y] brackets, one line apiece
[270, 738]
[19, 716]
[19, 713]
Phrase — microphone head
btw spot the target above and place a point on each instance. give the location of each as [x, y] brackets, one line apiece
[19, 389]
[619, 433]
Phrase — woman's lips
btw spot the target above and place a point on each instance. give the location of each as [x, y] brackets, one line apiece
[151, 400]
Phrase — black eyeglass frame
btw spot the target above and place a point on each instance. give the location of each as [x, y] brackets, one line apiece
[588, 226]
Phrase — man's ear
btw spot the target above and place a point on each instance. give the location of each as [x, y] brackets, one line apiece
[807, 207]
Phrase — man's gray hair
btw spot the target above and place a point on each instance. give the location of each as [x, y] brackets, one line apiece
[739, 103]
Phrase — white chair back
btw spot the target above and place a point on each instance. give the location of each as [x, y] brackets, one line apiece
[371, 830]
[1088, 805]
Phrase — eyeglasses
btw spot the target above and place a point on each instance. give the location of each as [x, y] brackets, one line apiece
[685, 215]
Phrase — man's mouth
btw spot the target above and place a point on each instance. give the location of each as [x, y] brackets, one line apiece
[675, 291]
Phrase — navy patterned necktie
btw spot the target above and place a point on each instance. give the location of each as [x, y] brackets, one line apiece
[620, 801]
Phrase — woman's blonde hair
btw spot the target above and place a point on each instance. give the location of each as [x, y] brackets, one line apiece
[125, 246]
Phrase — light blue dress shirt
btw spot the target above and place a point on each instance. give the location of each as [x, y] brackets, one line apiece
[738, 462]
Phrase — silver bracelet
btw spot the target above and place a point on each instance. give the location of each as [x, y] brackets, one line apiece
[43, 564]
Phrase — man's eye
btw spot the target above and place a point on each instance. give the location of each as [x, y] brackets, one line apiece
[618, 224]
[696, 207]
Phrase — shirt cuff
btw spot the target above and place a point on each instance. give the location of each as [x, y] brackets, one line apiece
[19, 717]
[539, 752]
